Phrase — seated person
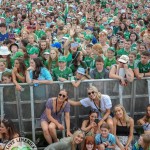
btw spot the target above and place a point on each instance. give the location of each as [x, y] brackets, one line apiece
[89, 126]
[145, 121]
[62, 72]
[89, 143]
[143, 143]
[142, 67]
[105, 140]
[99, 72]
[80, 76]
[123, 128]
[7, 132]
[121, 71]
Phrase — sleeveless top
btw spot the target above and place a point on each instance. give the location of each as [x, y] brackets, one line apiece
[122, 130]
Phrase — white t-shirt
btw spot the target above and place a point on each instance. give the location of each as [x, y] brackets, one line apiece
[105, 104]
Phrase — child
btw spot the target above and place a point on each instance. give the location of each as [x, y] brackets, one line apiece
[6, 77]
[89, 143]
[110, 59]
[13, 48]
[143, 143]
[132, 57]
[145, 121]
[105, 140]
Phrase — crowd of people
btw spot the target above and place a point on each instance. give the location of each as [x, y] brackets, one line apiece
[102, 130]
[46, 41]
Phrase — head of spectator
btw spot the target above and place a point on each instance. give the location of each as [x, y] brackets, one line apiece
[145, 57]
[6, 77]
[89, 143]
[62, 62]
[8, 130]
[33, 52]
[3, 28]
[111, 52]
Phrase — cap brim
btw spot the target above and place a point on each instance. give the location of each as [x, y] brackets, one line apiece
[123, 61]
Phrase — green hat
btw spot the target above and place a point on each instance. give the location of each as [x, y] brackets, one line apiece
[50, 9]
[18, 54]
[87, 37]
[47, 51]
[33, 50]
[62, 59]
[111, 49]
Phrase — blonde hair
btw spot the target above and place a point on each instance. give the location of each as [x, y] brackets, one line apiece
[73, 147]
[125, 116]
[146, 140]
[93, 88]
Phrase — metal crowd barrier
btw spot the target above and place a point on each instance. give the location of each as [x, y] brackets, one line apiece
[26, 107]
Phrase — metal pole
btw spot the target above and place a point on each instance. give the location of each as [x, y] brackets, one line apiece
[148, 90]
[120, 94]
[19, 113]
[32, 113]
[133, 98]
[1, 103]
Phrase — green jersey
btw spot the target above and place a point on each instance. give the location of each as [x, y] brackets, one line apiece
[109, 62]
[88, 60]
[122, 52]
[142, 68]
[67, 72]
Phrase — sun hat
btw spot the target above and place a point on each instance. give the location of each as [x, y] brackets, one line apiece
[62, 59]
[4, 50]
[124, 59]
[81, 71]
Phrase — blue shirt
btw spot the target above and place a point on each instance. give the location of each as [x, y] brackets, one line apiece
[110, 138]
[3, 37]
[44, 74]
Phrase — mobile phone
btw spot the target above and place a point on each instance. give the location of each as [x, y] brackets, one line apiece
[96, 120]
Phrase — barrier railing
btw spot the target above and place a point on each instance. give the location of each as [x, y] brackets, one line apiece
[25, 107]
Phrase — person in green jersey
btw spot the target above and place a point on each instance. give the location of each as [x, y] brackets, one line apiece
[61, 73]
[132, 57]
[99, 72]
[126, 50]
[110, 59]
[142, 67]
[88, 59]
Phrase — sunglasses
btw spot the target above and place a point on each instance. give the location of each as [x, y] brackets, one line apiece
[89, 93]
[62, 95]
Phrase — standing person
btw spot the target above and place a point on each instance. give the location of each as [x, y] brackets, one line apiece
[105, 140]
[19, 73]
[69, 143]
[51, 117]
[143, 143]
[123, 128]
[145, 121]
[37, 73]
[7, 132]
[121, 71]
[102, 103]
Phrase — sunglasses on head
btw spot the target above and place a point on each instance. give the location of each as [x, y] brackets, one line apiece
[89, 93]
[62, 95]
